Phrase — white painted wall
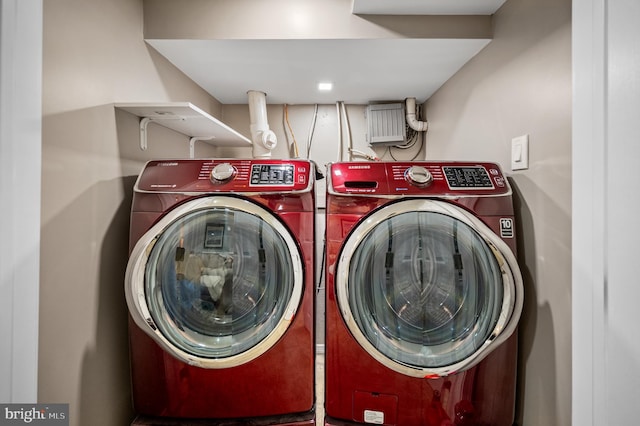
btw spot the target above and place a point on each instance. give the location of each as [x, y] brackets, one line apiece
[521, 84]
[20, 160]
[94, 56]
[606, 107]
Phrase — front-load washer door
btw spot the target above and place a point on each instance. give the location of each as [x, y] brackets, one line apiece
[427, 288]
[216, 282]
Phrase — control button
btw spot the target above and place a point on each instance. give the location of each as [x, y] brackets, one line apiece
[418, 176]
[223, 172]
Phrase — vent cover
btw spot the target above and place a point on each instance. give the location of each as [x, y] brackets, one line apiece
[386, 124]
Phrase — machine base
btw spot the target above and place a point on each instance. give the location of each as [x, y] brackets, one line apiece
[300, 419]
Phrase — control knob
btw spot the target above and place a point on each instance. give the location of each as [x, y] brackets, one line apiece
[222, 173]
[418, 176]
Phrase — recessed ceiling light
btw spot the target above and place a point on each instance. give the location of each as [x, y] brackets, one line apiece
[325, 87]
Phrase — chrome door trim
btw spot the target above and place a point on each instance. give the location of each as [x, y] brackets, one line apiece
[135, 281]
[511, 278]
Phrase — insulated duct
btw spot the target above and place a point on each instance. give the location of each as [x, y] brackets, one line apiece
[412, 120]
[264, 139]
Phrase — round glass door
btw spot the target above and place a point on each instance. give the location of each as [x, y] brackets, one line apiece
[427, 288]
[216, 281]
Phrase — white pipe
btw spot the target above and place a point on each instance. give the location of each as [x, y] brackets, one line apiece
[348, 131]
[412, 121]
[264, 139]
[339, 131]
[312, 128]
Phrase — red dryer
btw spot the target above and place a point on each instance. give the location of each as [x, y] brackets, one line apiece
[220, 292]
[423, 295]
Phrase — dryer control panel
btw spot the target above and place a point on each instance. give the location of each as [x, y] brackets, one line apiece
[418, 178]
[226, 175]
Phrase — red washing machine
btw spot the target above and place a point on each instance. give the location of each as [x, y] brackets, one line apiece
[220, 292]
[423, 295]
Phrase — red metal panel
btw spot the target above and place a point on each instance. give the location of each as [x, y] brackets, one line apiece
[280, 382]
[390, 179]
[186, 176]
[482, 395]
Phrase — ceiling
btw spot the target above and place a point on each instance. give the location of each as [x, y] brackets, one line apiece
[362, 70]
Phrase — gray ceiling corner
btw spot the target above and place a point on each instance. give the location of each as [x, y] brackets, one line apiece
[426, 7]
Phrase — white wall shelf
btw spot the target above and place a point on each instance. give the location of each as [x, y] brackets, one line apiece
[185, 118]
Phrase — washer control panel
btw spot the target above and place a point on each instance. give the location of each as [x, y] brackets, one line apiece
[418, 178]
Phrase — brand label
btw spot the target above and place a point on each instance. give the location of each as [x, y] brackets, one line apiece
[506, 227]
[35, 414]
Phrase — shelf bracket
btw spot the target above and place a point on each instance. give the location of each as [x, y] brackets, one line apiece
[192, 144]
[143, 132]
[144, 123]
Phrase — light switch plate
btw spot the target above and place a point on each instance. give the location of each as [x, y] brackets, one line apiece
[520, 153]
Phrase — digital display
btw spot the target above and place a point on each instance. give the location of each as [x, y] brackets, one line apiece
[467, 177]
[272, 174]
